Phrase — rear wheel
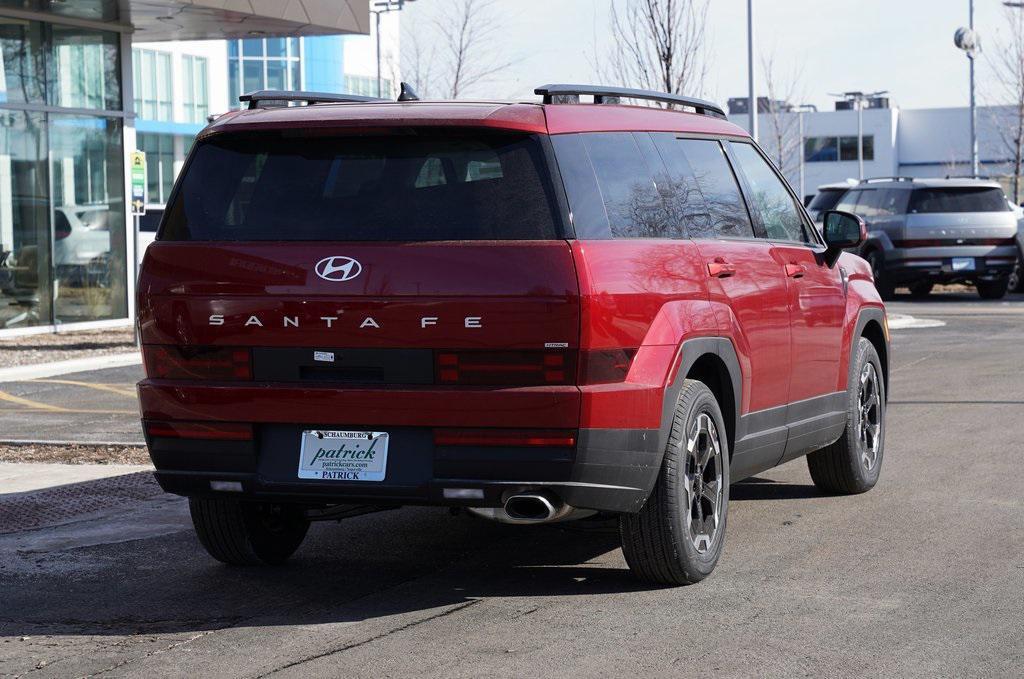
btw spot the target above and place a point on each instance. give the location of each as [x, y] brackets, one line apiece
[921, 290]
[993, 289]
[1016, 282]
[852, 464]
[247, 533]
[886, 290]
[677, 538]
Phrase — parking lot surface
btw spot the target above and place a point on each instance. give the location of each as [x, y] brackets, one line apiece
[923, 576]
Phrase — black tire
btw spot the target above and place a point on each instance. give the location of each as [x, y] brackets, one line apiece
[843, 468]
[921, 290]
[886, 290]
[245, 533]
[657, 541]
[1016, 281]
[993, 289]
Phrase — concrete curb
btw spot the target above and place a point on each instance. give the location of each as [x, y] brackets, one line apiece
[31, 372]
[79, 444]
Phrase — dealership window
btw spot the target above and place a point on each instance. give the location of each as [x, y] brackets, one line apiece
[194, 97]
[830, 149]
[159, 150]
[263, 64]
[366, 86]
[152, 83]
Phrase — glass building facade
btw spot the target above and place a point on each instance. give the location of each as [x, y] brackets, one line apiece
[63, 249]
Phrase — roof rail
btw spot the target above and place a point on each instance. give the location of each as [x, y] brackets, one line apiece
[601, 93]
[869, 180]
[260, 96]
[984, 177]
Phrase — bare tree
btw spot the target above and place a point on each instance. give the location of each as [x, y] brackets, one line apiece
[784, 143]
[1007, 60]
[465, 32]
[658, 45]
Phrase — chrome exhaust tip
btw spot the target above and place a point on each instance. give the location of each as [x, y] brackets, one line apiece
[531, 508]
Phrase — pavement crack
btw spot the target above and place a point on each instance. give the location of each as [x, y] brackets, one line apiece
[370, 640]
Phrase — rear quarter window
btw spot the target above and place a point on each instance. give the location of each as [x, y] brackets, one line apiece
[396, 187]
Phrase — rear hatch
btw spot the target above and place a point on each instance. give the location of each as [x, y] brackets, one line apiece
[398, 257]
[959, 216]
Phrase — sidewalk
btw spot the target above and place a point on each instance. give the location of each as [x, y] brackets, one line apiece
[28, 350]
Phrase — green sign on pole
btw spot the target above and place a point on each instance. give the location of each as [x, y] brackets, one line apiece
[138, 169]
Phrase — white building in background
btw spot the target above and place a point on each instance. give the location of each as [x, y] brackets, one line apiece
[932, 142]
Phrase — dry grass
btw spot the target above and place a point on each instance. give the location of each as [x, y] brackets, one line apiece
[74, 454]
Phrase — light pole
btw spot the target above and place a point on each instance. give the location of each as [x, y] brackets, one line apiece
[969, 41]
[857, 100]
[751, 92]
[376, 9]
[800, 110]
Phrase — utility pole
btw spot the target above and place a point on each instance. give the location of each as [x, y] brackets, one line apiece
[376, 9]
[969, 41]
[800, 110]
[752, 92]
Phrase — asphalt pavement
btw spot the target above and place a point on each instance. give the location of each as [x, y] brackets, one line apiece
[923, 576]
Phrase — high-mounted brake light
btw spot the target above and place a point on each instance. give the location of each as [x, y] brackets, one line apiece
[215, 431]
[197, 363]
[505, 368]
[524, 438]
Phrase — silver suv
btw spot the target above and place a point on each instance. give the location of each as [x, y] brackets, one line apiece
[927, 231]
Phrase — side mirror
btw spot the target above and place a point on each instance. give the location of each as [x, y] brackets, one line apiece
[842, 230]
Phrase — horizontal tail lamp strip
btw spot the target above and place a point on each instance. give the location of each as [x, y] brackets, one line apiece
[197, 363]
[505, 368]
[210, 431]
[519, 438]
[947, 242]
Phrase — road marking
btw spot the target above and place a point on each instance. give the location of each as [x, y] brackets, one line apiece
[68, 411]
[35, 405]
[100, 386]
[30, 372]
[905, 321]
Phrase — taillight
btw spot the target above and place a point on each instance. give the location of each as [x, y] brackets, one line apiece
[604, 366]
[197, 363]
[505, 368]
[217, 431]
[524, 438]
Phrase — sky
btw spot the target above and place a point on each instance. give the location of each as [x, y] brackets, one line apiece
[903, 46]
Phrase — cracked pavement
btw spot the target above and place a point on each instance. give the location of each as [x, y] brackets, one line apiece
[923, 576]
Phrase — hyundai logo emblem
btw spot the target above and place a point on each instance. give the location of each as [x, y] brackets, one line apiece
[338, 268]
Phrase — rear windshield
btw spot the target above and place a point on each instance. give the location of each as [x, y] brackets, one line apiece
[961, 199]
[826, 199]
[402, 187]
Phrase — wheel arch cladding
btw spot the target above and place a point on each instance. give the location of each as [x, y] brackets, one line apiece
[713, 361]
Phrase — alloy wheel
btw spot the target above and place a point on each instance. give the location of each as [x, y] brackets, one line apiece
[703, 483]
[869, 415]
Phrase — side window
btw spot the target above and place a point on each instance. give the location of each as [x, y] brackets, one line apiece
[848, 203]
[627, 185]
[769, 197]
[868, 204]
[727, 214]
[589, 218]
[684, 202]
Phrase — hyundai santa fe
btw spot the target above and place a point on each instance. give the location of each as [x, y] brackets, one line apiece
[535, 312]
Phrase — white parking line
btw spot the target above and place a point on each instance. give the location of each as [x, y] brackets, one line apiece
[906, 321]
[75, 365]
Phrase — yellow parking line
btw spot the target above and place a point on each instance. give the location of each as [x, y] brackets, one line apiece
[35, 405]
[99, 386]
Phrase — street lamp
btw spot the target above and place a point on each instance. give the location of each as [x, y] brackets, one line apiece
[751, 93]
[969, 41]
[800, 110]
[857, 100]
[376, 9]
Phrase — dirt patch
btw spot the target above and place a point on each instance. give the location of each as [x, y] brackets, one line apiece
[74, 454]
[45, 348]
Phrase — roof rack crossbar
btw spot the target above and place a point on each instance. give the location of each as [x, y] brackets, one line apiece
[260, 96]
[600, 93]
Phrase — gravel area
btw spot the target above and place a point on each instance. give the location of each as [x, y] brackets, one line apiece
[74, 454]
[45, 348]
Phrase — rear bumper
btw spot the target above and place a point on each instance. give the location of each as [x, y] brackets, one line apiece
[908, 265]
[608, 470]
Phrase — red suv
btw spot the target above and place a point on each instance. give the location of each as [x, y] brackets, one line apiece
[535, 312]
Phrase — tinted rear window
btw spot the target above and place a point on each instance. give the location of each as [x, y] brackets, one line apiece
[962, 199]
[414, 187]
[826, 199]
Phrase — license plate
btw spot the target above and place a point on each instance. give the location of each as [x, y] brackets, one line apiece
[343, 455]
[963, 264]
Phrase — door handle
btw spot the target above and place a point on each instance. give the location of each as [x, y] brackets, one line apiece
[719, 268]
[795, 270]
